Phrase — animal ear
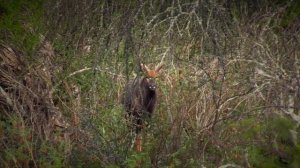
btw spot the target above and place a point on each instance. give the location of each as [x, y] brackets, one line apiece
[158, 67]
[145, 67]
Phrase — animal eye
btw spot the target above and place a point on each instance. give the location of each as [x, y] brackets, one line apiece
[149, 79]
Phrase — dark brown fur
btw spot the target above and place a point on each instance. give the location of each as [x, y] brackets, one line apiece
[139, 99]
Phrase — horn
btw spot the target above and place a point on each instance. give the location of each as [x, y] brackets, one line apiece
[158, 67]
[145, 67]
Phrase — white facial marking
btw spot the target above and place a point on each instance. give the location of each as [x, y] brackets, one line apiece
[152, 87]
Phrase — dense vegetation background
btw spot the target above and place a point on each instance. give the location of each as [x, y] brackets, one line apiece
[229, 91]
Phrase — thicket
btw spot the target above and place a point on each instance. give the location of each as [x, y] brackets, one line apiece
[229, 91]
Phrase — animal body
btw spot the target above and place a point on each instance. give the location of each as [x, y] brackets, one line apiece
[140, 96]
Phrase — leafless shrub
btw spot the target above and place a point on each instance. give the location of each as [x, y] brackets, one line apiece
[27, 93]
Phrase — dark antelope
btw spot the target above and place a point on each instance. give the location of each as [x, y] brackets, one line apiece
[140, 98]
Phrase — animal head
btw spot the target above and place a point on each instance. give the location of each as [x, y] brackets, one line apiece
[150, 75]
[149, 83]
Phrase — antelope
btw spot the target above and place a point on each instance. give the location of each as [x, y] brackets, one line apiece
[140, 98]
